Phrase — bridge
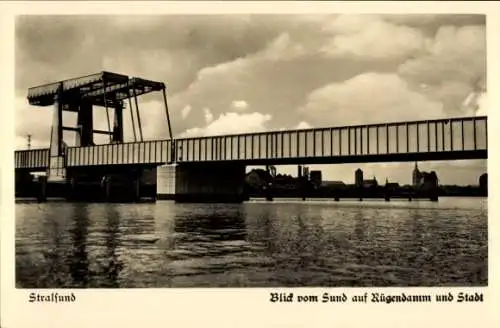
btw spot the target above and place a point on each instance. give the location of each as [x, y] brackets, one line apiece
[213, 167]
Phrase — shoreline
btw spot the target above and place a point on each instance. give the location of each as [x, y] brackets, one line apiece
[163, 197]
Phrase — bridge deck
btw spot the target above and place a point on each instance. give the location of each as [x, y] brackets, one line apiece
[457, 138]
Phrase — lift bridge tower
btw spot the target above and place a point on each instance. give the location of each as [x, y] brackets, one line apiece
[104, 90]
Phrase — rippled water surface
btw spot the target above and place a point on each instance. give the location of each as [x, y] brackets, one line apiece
[255, 244]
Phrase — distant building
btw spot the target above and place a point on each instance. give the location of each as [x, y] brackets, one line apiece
[258, 178]
[316, 178]
[358, 178]
[429, 180]
[370, 183]
[333, 183]
[416, 176]
[284, 181]
[424, 179]
[272, 170]
[305, 172]
[392, 185]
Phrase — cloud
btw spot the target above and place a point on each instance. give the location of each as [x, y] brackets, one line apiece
[434, 21]
[482, 104]
[455, 54]
[371, 37]
[367, 98]
[231, 123]
[252, 79]
[137, 45]
[31, 120]
[208, 115]
[280, 76]
[282, 48]
[451, 94]
[185, 111]
[279, 49]
[235, 123]
[239, 105]
[303, 125]
[453, 67]
[153, 118]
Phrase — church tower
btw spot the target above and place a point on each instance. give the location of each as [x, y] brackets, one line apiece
[416, 176]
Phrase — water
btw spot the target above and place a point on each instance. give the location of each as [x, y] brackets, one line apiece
[255, 244]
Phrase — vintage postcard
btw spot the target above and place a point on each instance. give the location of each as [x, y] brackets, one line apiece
[310, 161]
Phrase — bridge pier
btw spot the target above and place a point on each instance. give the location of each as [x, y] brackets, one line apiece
[434, 197]
[214, 182]
[42, 189]
[269, 196]
[203, 182]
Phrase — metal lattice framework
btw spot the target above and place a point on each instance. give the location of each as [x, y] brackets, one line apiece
[103, 89]
[93, 88]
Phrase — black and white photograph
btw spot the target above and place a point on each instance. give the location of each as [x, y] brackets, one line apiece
[250, 150]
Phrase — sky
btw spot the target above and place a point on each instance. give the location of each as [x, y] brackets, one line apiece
[245, 73]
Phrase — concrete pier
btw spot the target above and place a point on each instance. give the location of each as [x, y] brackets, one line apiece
[202, 183]
[222, 183]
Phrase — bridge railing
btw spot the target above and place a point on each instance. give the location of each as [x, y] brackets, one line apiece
[458, 134]
[31, 159]
[145, 152]
[447, 135]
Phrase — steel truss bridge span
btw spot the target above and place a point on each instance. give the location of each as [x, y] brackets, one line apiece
[442, 139]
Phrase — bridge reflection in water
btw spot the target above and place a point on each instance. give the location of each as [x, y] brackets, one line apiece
[253, 244]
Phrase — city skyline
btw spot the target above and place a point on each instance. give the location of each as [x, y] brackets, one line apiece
[381, 180]
[245, 73]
